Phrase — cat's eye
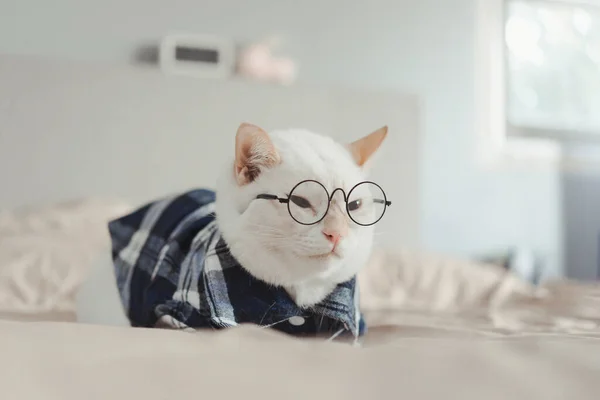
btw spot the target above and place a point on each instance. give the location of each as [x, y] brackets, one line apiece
[365, 203]
[300, 201]
[354, 205]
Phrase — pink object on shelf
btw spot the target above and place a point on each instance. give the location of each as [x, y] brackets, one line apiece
[258, 62]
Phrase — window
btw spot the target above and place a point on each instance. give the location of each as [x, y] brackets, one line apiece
[539, 78]
[552, 58]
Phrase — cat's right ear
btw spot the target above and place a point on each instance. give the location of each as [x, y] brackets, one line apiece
[254, 152]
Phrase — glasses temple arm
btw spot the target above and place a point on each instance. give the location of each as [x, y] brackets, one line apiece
[271, 197]
[380, 201]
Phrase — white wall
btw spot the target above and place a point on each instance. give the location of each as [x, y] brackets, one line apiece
[424, 46]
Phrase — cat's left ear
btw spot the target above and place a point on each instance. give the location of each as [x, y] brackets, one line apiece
[364, 148]
[254, 152]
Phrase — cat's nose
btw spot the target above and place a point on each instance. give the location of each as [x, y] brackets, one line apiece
[333, 237]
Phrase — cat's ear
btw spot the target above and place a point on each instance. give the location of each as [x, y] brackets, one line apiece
[364, 148]
[254, 152]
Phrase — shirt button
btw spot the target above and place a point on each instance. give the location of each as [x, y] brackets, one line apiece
[297, 320]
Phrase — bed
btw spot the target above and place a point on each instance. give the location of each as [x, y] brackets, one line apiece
[81, 144]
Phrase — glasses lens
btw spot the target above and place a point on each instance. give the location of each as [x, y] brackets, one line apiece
[366, 203]
[308, 202]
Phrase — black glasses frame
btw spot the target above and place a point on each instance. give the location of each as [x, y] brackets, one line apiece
[287, 201]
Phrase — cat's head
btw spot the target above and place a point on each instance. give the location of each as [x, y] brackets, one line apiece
[262, 235]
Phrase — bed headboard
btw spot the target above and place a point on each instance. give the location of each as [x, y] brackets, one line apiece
[71, 130]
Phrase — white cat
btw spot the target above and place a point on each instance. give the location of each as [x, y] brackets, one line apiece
[307, 260]
[262, 235]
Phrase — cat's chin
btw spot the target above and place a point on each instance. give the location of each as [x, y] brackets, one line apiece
[302, 272]
[328, 271]
[314, 267]
[309, 293]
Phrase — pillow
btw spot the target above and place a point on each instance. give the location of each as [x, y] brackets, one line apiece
[45, 252]
[401, 279]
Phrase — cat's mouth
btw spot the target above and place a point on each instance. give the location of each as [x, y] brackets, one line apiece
[324, 256]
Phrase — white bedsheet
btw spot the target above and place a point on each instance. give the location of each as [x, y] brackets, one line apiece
[75, 361]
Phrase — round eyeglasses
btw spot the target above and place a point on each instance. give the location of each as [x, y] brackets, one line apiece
[309, 201]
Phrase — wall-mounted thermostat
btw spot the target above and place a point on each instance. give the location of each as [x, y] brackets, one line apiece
[199, 56]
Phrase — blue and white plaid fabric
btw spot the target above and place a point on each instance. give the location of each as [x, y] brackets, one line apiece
[173, 268]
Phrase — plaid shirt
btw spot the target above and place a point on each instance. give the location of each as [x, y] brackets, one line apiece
[174, 269]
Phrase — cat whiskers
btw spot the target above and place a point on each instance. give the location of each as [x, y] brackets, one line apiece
[266, 312]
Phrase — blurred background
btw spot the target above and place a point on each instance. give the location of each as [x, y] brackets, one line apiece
[508, 94]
